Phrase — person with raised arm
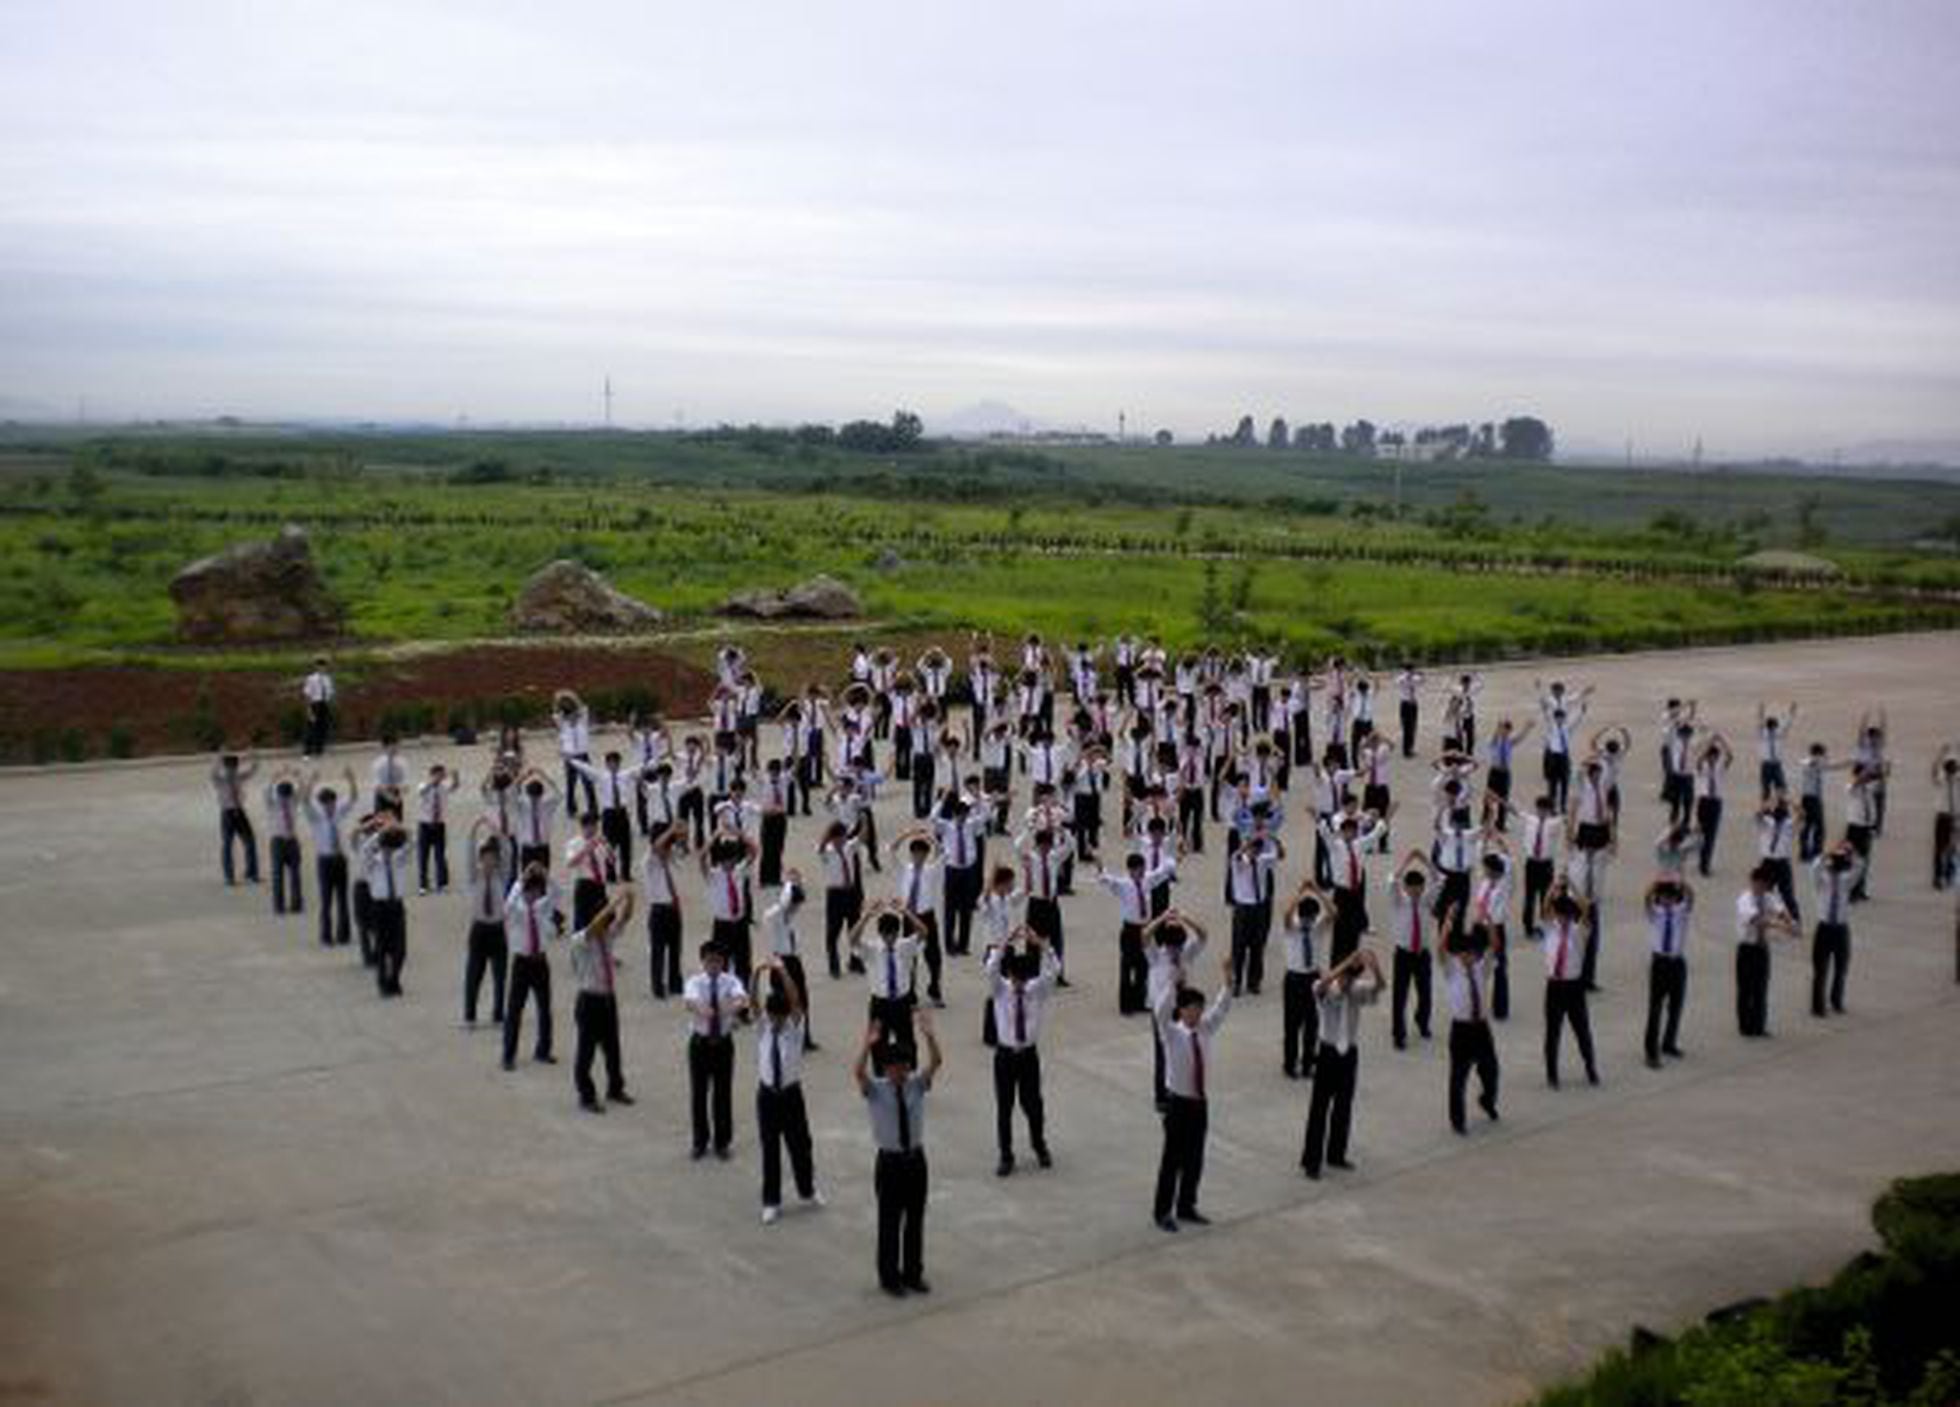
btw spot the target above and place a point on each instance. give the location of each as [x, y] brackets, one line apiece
[895, 1098]
[1187, 1028]
[595, 1012]
[1347, 986]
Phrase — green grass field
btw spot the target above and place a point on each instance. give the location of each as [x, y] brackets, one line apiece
[429, 538]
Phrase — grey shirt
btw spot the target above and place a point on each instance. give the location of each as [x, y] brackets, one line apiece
[882, 1100]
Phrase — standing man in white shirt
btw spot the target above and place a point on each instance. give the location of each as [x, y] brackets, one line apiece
[1019, 982]
[228, 778]
[432, 827]
[282, 841]
[895, 1098]
[1408, 694]
[1562, 937]
[487, 949]
[781, 1118]
[1348, 985]
[1759, 917]
[384, 858]
[596, 1012]
[1308, 917]
[715, 1001]
[1670, 909]
[1187, 1028]
[1467, 964]
[317, 692]
[325, 810]
[1835, 873]
[531, 918]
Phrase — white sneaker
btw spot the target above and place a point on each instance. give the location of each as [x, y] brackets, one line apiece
[770, 1215]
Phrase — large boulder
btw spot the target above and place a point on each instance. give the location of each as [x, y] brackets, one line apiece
[255, 591]
[819, 598]
[569, 597]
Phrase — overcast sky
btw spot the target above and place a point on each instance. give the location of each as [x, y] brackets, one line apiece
[1732, 218]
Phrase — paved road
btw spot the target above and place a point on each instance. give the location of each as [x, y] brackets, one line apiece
[230, 1174]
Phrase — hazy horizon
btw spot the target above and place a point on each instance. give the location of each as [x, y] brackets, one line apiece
[1733, 223]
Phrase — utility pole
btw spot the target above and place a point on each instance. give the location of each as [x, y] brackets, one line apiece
[1122, 426]
[609, 400]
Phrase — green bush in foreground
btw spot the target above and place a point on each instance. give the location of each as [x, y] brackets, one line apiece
[1884, 1331]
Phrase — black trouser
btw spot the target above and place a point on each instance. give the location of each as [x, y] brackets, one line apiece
[431, 843]
[733, 935]
[1471, 1047]
[1302, 739]
[1565, 1000]
[692, 809]
[894, 1018]
[923, 767]
[1299, 1022]
[282, 851]
[960, 893]
[935, 958]
[1830, 955]
[1770, 776]
[793, 969]
[1537, 884]
[1781, 876]
[710, 1081]
[1752, 988]
[1810, 827]
[1350, 922]
[364, 920]
[1861, 843]
[235, 825]
[588, 898]
[616, 825]
[529, 855]
[1409, 968]
[390, 945]
[529, 976]
[596, 1015]
[1017, 1076]
[769, 864]
[319, 722]
[1044, 916]
[1452, 893]
[1500, 976]
[1248, 947]
[574, 780]
[1181, 1167]
[902, 760]
[841, 909]
[781, 1119]
[331, 873]
[1191, 818]
[1330, 1114]
[1558, 777]
[1497, 781]
[1708, 820]
[1323, 864]
[1678, 791]
[1589, 962]
[664, 949]
[1132, 970]
[488, 952]
[1942, 849]
[1667, 988]
[901, 1180]
[1409, 713]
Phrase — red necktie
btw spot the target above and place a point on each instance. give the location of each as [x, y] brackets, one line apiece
[1558, 954]
[734, 896]
[1354, 866]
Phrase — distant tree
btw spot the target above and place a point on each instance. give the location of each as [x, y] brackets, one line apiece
[816, 434]
[1359, 438]
[1164, 437]
[870, 437]
[1245, 434]
[1484, 445]
[1392, 440]
[1276, 436]
[907, 429]
[1303, 436]
[1811, 532]
[1525, 437]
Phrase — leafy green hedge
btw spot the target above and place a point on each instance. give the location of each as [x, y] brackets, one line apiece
[1885, 1330]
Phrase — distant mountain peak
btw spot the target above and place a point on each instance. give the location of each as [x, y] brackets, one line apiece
[982, 418]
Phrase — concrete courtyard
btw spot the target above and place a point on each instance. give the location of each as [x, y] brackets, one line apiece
[230, 1174]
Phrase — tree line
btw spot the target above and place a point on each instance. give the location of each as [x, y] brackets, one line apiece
[1519, 437]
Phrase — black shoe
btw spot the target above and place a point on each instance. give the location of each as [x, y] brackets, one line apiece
[1460, 1130]
[1292, 1071]
[1551, 1080]
[1673, 1050]
[1313, 1173]
[1063, 982]
[1592, 1076]
[1401, 1042]
[546, 1059]
[592, 1106]
[1042, 1157]
[1342, 1163]
[892, 1288]
[621, 1098]
[1166, 1223]
[1489, 1106]
[698, 1154]
[1005, 1167]
[1195, 1217]
[809, 1046]
[1653, 1062]
[722, 1153]
[510, 1064]
[918, 1286]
